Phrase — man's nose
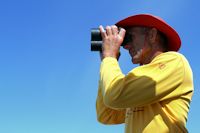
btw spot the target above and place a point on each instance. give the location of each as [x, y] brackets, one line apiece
[127, 46]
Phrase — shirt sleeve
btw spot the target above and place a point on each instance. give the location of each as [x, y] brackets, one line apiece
[154, 82]
[107, 115]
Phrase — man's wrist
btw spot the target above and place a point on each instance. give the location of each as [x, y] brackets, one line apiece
[113, 55]
[109, 55]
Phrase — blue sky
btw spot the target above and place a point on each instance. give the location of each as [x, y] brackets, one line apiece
[49, 76]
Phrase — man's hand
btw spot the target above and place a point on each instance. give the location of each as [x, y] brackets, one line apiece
[112, 39]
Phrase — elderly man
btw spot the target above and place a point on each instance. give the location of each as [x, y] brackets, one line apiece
[153, 97]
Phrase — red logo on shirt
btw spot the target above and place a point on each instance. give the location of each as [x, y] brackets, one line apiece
[161, 65]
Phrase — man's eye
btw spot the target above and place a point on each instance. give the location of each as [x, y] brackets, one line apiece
[127, 39]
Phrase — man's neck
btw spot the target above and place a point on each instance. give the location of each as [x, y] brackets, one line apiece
[151, 56]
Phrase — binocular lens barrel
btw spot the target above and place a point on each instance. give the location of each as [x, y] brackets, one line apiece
[96, 40]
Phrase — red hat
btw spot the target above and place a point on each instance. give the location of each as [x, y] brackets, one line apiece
[174, 41]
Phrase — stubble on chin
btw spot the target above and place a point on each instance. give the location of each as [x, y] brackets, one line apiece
[136, 59]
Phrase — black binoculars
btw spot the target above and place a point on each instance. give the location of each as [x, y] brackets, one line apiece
[96, 40]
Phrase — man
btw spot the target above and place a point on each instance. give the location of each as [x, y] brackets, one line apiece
[153, 97]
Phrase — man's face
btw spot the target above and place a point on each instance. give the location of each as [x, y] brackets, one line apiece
[138, 38]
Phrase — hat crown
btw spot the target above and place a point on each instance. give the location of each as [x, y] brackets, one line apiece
[149, 20]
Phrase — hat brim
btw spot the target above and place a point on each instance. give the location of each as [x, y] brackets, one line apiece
[174, 41]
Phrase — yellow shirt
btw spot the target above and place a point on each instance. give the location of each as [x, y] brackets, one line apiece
[152, 98]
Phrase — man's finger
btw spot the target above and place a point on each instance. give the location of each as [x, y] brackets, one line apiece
[114, 29]
[108, 30]
[103, 32]
[122, 32]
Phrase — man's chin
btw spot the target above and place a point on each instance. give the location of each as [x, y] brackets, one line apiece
[135, 61]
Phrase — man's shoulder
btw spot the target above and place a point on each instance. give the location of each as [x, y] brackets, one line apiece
[173, 59]
[177, 56]
[169, 56]
[173, 53]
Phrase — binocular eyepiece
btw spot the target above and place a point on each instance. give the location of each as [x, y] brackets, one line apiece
[96, 40]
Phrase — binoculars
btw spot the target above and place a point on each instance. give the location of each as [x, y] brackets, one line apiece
[96, 40]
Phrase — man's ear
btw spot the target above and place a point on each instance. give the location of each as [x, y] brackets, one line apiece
[152, 35]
